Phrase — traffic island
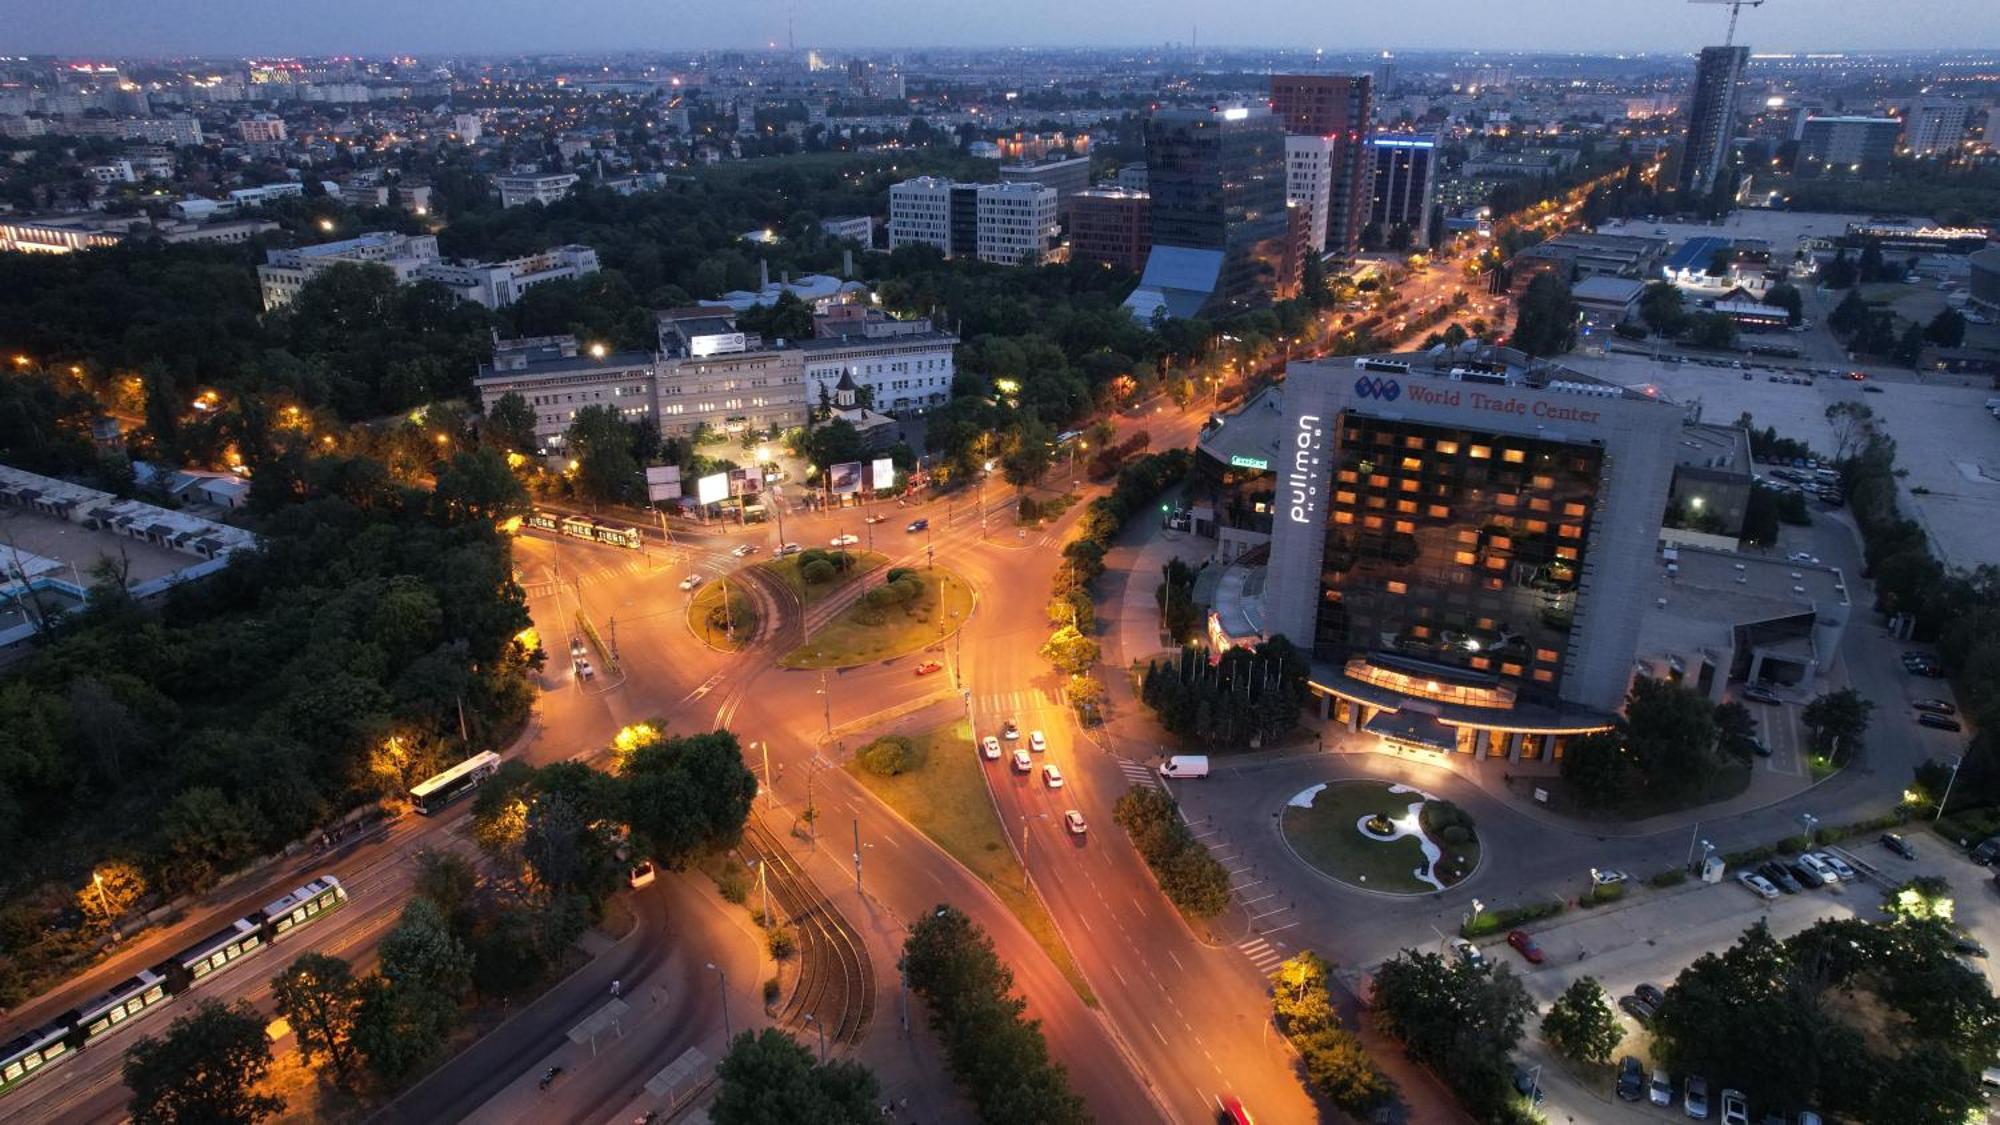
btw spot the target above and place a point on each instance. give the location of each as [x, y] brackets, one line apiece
[1380, 836]
[726, 627]
[817, 573]
[934, 782]
[917, 607]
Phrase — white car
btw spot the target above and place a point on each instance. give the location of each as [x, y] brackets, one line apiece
[1052, 776]
[1735, 1111]
[788, 549]
[1759, 886]
[744, 551]
[1802, 557]
[1073, 819]
[1607, 876]
[583, 668]
[691, 581]
[1022, 763]
[1468, 952]
[1822, 874]
[1661, 1091]
[1841, 870]
[1037, 742]
[1694, 1097]
[991, 746]
[641, 875]
[844, 540]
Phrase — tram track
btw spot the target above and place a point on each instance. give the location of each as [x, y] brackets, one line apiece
[836, 983]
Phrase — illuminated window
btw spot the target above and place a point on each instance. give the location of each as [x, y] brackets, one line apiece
[1482, 663]
[1447, 447]
[1504, 521]
[1421, 632]
[1496, 564]
[1506, 499]
[1407, 507]
[1396, 587]
[1513, 456]
[1378, 481]
[1566, 553]
[1410, 485]
[1546, 656]
[1439, 512]
[1467, 535]
[1537, 504]
[1372, 523]
[1343, 497]
[1378, 502]
[1494, 585]
[1571, 531]
[1510, 669]
[1481, 452]
[1411, 464]
[1347, 476]
[1486, 623]
[1343, 517]
[1573, 510]
[1544, 676]
[1536, 527]
[1502, 543]
[1544, 482]
[1405, 527]
[1465, 558]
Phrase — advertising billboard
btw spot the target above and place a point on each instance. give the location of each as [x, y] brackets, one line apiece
[845, 478]
[745, 482]
[712, 488]
[884, 475]
[663, 482]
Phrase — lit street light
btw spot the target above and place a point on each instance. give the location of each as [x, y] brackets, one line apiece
[1955, 763]
[723, 987]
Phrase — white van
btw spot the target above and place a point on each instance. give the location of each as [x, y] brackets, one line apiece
[1185, 765]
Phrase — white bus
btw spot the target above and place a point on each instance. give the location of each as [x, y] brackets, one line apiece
[434, 794]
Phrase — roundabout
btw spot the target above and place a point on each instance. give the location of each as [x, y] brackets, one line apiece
[1381, 836]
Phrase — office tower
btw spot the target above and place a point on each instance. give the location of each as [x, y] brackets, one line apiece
[1223, 234]
[1847, 146]
[1935, 127]
[1110, 225]
[1068, 175]
[1016, 223]
[1309, 183]
[1457, 539]
[1338, 107]
[1404, 186]
[1711, 117]
[1003, 223]
[920, 213]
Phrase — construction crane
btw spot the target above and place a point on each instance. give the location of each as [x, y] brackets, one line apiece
[1735, 9]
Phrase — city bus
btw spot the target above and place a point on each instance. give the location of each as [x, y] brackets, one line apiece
[434, 794]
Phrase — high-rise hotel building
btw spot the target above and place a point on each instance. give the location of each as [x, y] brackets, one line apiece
[1461, 539]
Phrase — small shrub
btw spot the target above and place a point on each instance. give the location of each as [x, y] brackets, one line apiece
[1598, 895]
[889, 755]
[896, 572]
[1457, 835]
[1749, 855]
[734, 882]
[771, 990]
[1793, 845]
[818, 572]
[782, 943]
[1028, 510]
[1671, 877]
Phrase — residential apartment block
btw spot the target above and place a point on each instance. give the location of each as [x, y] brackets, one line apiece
[414, 258]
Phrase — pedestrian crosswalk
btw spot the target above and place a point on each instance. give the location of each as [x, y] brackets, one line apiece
[1004, 704]
[1138, 773]
[1263, 954]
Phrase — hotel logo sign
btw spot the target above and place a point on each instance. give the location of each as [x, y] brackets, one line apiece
[1373, 386]
[1302, 479]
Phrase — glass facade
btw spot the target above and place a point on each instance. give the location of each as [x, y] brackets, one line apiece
[1218, 182]
[1457, 548]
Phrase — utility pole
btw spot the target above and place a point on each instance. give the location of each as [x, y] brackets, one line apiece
[764, 887]
[826, 702]
[770, 783]
[857, 855]
[612, 626]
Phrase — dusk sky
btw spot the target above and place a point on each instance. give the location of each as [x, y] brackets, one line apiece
[442, 26]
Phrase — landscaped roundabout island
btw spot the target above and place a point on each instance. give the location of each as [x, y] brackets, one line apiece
[1381, 836]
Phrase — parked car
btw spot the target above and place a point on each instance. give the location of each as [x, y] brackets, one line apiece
[1694, 1097]
[1526, 1085]
[1898, 845]
[1841, 870]
[1023, 763]
[1985, 850]
[1872, 389]
[1758, 693]
[1735, 1111]
[1760, 748]
[1758, 885]
[1935, 706]
[1661, 1090]
[1802, 557]
[1650, 993]
[874, 519]
[1468, 952]
[1819, 871]
[1524, 944]
[1638, 1009]
[1052, 776]
[991, 747]
[915, 526]
[1073, 820]
[1631, 1080]
[1939, 722]
[1776, 873]
[1607, 876]
[928, 667]
[847, 540]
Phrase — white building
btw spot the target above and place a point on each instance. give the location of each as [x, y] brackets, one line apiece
[261, 128]
[414, 258]
[116, 172]
[1016, 223]
[1935, 126]
[920, 213]
[516, 191]
[905, 366]
[162, 130]
[466, 126]
[1309, 183]
[860, 228]
[262, 194]
[499, 284]
[414, 198]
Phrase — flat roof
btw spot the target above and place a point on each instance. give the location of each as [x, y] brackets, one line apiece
[561, 364]
[1604, 287]
[1251, 432]
[1696, 252]
[1737, 588]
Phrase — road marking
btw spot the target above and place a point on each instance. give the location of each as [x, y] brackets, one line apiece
[1177, 961]
[1259, 898]
[1119, 975]
[1276, 929]
[1156, 1031]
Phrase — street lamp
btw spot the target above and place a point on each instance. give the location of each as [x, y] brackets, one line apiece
[1955, 763]
[1812, 827]
[821, 1028]
[723, 988]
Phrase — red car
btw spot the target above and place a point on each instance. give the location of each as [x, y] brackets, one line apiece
[1525, 946]
[929, 666]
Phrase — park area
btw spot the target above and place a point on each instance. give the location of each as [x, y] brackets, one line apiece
[935, 782]
[916, 607]
[817, 573]
[1381, 836]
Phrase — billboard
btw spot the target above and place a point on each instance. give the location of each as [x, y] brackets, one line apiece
[845, 478]
[884, 475]
[663, 482]
[712, 488]
[745, 482]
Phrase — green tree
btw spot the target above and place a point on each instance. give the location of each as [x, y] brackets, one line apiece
[203, 1071]
[1460, 1020]
[1711, 330]
[685, 795]
[116, 886]
[1910, 346]
[1787, 297]
[510, 424]
[399, 1026]
[1735, 729]
[888, 756]
[318, 995]
[477, 485]
[1070, 651]
[768, 1078]
[1850, 315]
[1545, 319]
[420, 951]
[601, 443]
[1669, 735]
[1946, 329]
[203, 835]
[1581, 1023]
[449, 879]
[1840, 273]
[1837, 721]
[1338, 1067]
[1663, 309]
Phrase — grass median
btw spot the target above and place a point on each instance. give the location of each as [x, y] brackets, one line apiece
[731, 631]
[866, 631]
[790, 570]
[944, 796]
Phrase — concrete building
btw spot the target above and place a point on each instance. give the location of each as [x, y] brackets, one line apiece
[1111, 225]
[1936, 127]
[920, 213]
[543, 188]
[414, 258]
[1718, 617]
[859, 228]
[1017, 223]
[1606, 301]
[499, 284]
[901, 367]
[414, 198]
[466, 127]
[1712, 478]
[1309, 183]
[1067, 175]
[1404, 185]
[556, 382]
[1850, 146]
[1224, 237]
[261, 128]
[1132, 177]
[1339, 107]
[1456, 538]
[1579, 255]
[179, 131]
[1983, 282]
[1711, 117]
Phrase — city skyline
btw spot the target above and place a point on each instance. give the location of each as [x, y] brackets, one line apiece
[124, 27]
